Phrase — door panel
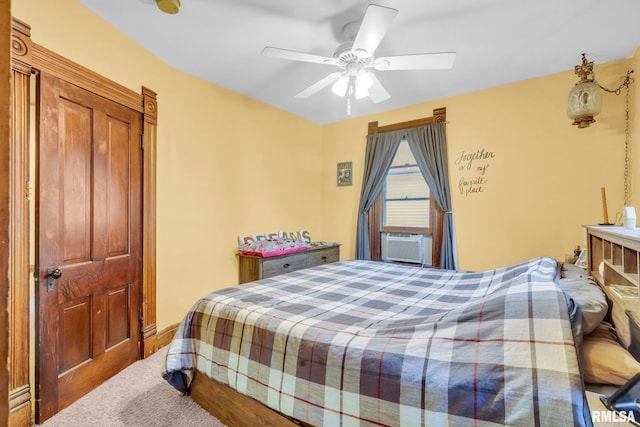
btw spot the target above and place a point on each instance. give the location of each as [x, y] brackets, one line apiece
[89, 211]
[117, 178]
[75, 334]
[75, 196]
[117, 322]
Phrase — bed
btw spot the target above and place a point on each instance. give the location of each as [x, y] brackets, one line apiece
[367, 343]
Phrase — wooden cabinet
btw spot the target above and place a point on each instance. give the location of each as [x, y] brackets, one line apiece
[614, 259]
[255, 268]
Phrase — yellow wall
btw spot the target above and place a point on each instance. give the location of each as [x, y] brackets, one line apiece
[542, 184]
[227, 164]
[634, 119]
[219, 155]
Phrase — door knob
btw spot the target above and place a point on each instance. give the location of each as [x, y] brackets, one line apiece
[52, 274]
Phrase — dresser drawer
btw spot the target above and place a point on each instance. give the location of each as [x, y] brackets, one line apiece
[253, 267]
[323, 256]
[275, 266]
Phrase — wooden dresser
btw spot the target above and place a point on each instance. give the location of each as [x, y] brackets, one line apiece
[255, 268]
[614, 261]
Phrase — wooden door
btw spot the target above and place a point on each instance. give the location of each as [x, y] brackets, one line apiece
[89, 239]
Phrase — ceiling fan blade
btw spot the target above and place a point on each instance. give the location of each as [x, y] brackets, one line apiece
[375, 24]
[419, 61]
[275, 52]
[377, 92]
[319, 85]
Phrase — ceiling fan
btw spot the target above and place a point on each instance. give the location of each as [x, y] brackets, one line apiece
[355, 59]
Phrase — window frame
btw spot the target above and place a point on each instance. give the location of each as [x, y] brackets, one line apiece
[401, 229]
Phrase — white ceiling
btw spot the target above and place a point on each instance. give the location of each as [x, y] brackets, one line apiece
[497, 42]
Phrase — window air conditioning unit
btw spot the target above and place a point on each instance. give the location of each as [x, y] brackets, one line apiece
[403, 247]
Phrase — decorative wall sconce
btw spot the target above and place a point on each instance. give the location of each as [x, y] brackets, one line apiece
[169, 6]
[585, 99]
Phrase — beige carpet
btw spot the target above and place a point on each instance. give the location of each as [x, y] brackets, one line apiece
[138, 397]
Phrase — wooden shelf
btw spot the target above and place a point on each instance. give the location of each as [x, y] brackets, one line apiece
[632, 278]
[614, 259]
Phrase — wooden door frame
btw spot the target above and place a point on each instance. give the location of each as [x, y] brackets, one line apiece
[19, 388]
[5, 129]
[29, 58]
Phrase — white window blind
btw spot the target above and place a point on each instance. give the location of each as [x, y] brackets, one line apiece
[406, 194]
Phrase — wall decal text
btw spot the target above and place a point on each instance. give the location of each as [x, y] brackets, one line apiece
[474, 168]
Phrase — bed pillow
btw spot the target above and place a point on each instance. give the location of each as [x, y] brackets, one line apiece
[572, 271]
[606, 361]
[587, 294]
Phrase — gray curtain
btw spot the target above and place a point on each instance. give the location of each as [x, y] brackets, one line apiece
[381, 148]
[429, 146]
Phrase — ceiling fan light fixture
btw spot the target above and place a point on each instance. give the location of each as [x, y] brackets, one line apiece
[363, 78]
[361, 91]
[340, 86]
[169, 6]
[356, 57]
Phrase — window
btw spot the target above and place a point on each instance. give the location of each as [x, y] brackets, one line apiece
[408, 210]
[406, 201]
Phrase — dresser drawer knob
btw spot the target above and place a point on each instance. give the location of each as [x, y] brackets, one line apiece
[286, 266]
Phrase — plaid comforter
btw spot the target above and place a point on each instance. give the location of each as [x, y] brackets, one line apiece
[376, 344]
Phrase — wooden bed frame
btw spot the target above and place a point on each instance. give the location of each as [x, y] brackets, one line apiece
[235, 409]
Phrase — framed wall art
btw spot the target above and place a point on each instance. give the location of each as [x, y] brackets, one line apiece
[345, 174]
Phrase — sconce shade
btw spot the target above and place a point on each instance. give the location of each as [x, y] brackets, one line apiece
[585, 102]
[169, 6]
